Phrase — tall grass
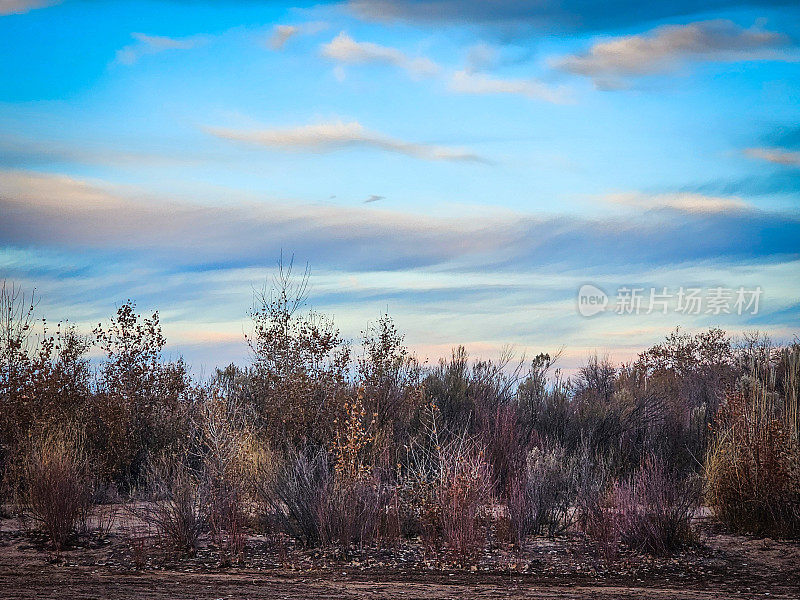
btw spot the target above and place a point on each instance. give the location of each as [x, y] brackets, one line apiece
[752, 467]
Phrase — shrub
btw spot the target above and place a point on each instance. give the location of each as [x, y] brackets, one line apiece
[446, 490]
[179, 508]
[600, 523]
[140, 407]
[650, 512]
[224, 452]
[292, 493]
[752, 468]
[300, 363]
[506, 444]
[654, 509]
[357, 510]
[57, 484]
[543, 499]
[464, 489]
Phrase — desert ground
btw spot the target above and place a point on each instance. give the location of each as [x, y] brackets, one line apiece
[718, 566]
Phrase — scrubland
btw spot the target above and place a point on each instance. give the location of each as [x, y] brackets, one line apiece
[320, 469]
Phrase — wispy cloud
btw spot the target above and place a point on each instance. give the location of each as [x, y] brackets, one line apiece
[19, 152]
[777, 156]
[345, 50]
[336, 135]
[18, 7]
[374, 198]
[512, 18]
[56, 212]
[281, 34]
[467, 82]
[609, 63]
[153, 44]
[686, 201]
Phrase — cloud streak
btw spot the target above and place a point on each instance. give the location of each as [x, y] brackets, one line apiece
[154, 44]
[338, 135]
[59, 213]
[466, 82]
[282, 34]
[514, 18]
[18, 7]
[345, 50]
[776, 156]
[610, 62]
[686, 201]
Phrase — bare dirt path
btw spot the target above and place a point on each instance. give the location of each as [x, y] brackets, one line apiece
[727, 567]
[40, 582]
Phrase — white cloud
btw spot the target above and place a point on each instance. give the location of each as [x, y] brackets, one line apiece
[153, 44]
[687, 202]
[775, 155]
[18, 7]
[326, 137]
[345, 49]
[465, 82]
[664, 48]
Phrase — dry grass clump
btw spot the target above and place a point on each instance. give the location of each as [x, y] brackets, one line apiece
[56, 486]
[177, 503]
[655, 509]
[752, 467]
[650, 512]
[289, 492]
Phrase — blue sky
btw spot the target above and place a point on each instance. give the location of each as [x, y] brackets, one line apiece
[465, 165]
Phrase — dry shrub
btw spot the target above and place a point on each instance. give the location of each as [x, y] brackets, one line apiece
[354, 508]
[545, 493]
[291, 493]
[357, 511]
[352, 439]
[752, 467]
[506, 444]
[601, 524]
[300, 362]
[446, 493]
[654, 509]
[465, 488]
[57, 483]
[179, 508]
[226, 456]
[651, 512]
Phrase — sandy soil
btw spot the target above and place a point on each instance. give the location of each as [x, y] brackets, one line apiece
[720, 566]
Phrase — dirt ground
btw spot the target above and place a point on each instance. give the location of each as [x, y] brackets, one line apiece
[720, 566]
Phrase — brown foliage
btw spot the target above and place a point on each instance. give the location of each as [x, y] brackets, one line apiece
[753, 467]
[56, 483]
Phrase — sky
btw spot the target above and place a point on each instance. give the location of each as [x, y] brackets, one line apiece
[478, 169]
